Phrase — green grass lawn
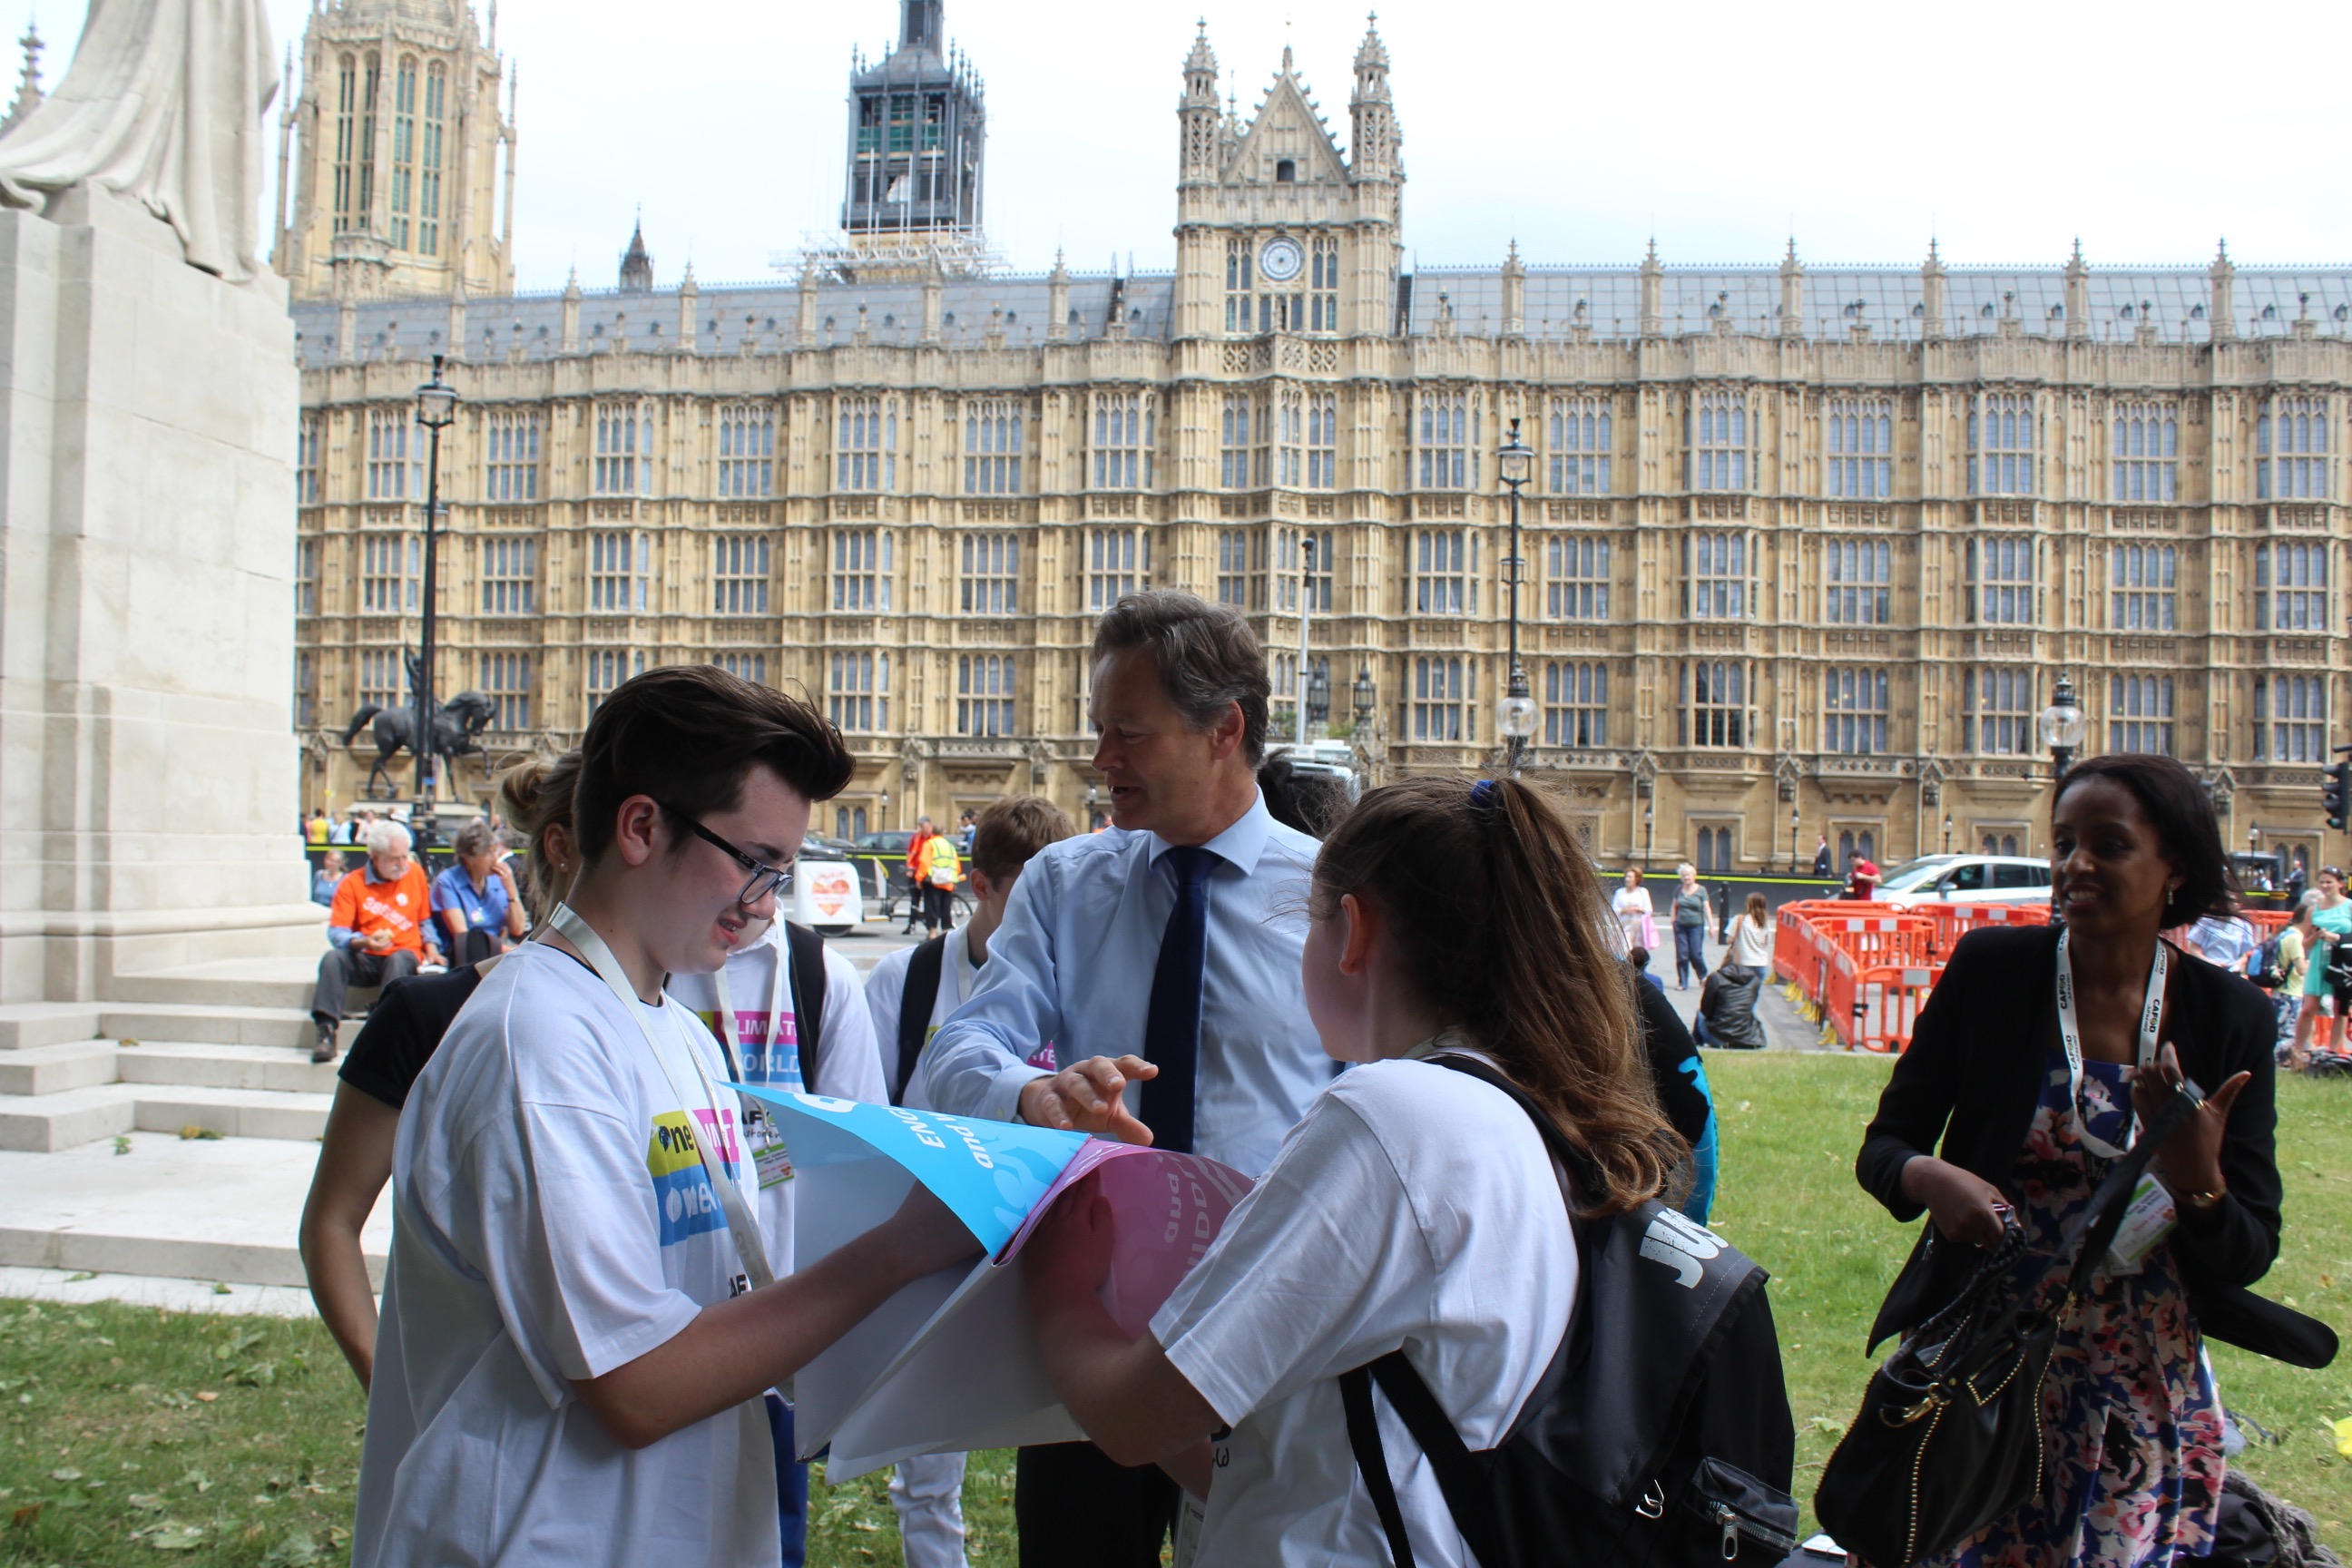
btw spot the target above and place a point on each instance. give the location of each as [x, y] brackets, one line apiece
[125, 1431]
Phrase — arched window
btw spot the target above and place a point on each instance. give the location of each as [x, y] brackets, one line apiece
[1286, 173]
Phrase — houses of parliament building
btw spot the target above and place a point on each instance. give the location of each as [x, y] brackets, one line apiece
[1806, 550]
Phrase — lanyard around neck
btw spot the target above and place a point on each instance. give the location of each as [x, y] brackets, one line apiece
[2070, 1035]
[731, 1024]
[749, 1245]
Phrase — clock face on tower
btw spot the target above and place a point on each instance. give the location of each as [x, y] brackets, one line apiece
[1280, 260]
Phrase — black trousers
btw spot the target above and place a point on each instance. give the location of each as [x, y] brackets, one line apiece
[938, 907]
[341, 967]
[1074, 1509]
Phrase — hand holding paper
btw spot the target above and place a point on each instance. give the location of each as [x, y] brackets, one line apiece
[952, 1362]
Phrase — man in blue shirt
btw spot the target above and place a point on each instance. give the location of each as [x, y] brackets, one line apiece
[1160, 962]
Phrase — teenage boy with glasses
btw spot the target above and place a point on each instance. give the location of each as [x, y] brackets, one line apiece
[789, 1012]
[579, 1328]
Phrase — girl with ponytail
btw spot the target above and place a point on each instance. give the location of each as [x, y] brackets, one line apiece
[1414, 1206]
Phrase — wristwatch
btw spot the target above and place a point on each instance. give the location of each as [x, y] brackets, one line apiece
[2204, 1203]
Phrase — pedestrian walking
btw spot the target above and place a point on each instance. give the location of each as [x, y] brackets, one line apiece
[1637, 917]
[1690, 927]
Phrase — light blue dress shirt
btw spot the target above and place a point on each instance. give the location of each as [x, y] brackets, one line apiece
[1072, 965]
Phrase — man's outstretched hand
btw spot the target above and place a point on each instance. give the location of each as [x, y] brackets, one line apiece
[1086, 1099]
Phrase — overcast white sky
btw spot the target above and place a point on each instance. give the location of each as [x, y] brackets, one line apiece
[2006, 127]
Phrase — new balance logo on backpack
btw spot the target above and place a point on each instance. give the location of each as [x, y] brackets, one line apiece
[1660, 1434]
[1682, 1245]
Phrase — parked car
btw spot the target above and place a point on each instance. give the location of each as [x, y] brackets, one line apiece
[881, 861]
[1967, 879]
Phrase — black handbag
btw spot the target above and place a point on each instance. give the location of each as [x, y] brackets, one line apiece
[1950, 1436]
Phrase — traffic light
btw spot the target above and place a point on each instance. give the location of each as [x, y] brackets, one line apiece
[2336, 794]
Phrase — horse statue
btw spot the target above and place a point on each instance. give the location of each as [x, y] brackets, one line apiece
[456, 723]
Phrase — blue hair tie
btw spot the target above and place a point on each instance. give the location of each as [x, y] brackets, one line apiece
[1482, 795]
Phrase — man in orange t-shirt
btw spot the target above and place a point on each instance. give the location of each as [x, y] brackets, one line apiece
[378, 931]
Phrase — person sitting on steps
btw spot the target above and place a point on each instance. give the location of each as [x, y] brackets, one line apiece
[376, 929]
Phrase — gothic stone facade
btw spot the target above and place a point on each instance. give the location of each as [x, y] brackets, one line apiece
[1805, 551]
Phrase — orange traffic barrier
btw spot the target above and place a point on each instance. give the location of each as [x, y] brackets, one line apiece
[1864, 969]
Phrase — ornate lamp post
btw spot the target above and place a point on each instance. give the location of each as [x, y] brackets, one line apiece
[1948, 836]
[2062, 726]
[1306, 607]
[436, 410]
[1515, 715]
[1794, 820]
[1365, 696]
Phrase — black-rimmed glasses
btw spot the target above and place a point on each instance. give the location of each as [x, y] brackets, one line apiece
[764, 878]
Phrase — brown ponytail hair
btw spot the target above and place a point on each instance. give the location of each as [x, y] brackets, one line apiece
[1503, 929]
[536, 795]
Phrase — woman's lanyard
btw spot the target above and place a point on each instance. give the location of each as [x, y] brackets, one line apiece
[2070, 1035]
[782, 1074]
[750, 1246]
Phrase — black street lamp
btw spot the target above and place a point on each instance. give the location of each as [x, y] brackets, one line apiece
[436, 410]
[1794, 820]
[1365, 695]
[2062, 726]
[1514, 716]
[1948, 836]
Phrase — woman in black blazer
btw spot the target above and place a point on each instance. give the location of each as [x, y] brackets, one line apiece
[2024, 1127]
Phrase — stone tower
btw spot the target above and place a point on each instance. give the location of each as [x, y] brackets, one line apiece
[28, 85]
[917, 141]
[395, 186]
[638, 263]
[1276, 231]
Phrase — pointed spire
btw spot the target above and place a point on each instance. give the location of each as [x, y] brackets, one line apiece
[1790, 259]
[2075, 264]
[1935, 258]
[1203, 58]
[29, 86]
[1373, 54]
[637, 262]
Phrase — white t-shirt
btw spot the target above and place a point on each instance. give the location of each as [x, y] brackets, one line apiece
[553, 1221]
[1751, 942]
[1414, 1206]
[770, 1051]
[885, 987]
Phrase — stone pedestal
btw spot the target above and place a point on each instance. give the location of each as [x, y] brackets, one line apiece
[147, 761]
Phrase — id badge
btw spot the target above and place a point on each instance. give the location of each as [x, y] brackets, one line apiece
[2148, 1220]
[770, 1158]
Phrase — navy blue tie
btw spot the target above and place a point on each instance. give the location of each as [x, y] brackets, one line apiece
[1171, 1027]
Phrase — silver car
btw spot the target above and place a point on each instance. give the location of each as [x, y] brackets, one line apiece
[1967, 879]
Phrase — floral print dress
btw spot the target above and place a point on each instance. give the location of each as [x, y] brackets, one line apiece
[2132, 1469]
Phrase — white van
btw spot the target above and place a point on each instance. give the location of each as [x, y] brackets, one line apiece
[1967, 879]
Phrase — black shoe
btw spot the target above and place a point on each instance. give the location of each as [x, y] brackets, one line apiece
[324, 1049]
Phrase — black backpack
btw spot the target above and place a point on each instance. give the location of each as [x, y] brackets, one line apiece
[1659, 1433]
[916, 999]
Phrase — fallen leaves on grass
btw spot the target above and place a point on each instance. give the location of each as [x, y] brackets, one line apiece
[176, 1537]
[22, 1517]
[192, 1133]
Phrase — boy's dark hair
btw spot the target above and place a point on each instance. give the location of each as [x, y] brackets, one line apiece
[687, 735]
[1014, 828]
[1207, 656]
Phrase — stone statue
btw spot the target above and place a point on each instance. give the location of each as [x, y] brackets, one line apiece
[163, 104]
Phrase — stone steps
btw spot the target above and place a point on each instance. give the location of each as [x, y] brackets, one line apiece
[86, 1209]
[60, 1097]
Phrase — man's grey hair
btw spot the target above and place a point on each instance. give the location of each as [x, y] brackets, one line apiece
[387, 836]
[1207, 656]
[476, 838]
